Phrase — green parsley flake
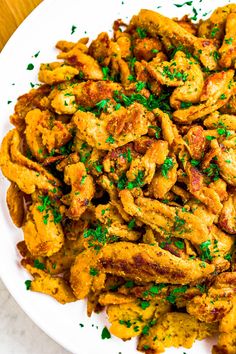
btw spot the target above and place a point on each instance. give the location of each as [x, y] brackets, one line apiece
[105, 333]
[93, 272]
[129, 284]
[179, 244]
[172, 296]
[73, 28]
[185, 104]
[28, 284]
[210, 137]
[167, 165]
[36, 54]
[39, 265]
[204, 247]
[110, 140]
[30, 66]
[214, 30]
[140, 85]
[144, 304]
[141, 32]
[105, 71]
[229, 40]
[131, 224]
[189, 3]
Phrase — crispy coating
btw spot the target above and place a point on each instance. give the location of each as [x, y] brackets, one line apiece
[125, 125]
[15, 203]
[56, 287]
[41, 238]
[28, 175]
[177, 330]
[157, 24]
[54, 73]
[147, 263]
[82, 190]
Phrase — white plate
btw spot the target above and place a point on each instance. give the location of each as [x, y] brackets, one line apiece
[51, 21]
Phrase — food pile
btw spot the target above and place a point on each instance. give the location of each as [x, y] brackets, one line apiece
[123, 172]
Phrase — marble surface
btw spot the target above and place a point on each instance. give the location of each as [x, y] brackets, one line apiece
[18, 334]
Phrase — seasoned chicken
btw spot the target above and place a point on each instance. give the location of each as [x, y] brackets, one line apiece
[112, 130]
[43, 233]
[159, 25]
[43, 133]
[86, 94]
[228, 48]
[216, 93]
[15, 203]
[168, 221]
[27, 174]
[227, 218]
[82, 190]
[174, 329]
[145, 263]
[56, 287]
[53, 73]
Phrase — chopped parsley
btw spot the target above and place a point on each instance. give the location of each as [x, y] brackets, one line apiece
[39, 265]
[110, 140]
[141, 32]
[30, 66]
[179, 244]
[93, 271]
[229, 40]
[189, 3]
[206, 254]
[97, 235]
[105, 333]
[36, 54]
[28, 284]
[131, 224]
[212, 171]
[194, 162]
[195, 14]
[144, 304]
[105, 71]
[167, 165]
[210, 137]
[73, 28]
[102, 105]
[214, 30]
[172, 296]
[185, 104]
[48, 205]
[228, 257]
[174, 74]
[140, 85]
[129, 284]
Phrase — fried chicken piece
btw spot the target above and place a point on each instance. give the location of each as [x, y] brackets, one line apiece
[109, 216]
[86, 94]
[15, 203]
[112, 130]
[111, 298]
[155, 155]
[214, 27]
[158, 25]
[43, 238]
[213, 306]
[53, 73]
[166, 220]
[216, 120]
[27, 174]
[81, 279]
[227, 218]
[56, 287]
[129, 320]
[228, 48]
[27, 102]
[83, 62]
[82, 190]
[174, 329]
[196, 142]
[216, 93]
[226, 161]
[183, 72]
[160, 185]
[103, 49]
[226, 343]
[43, 133]
[146, 48]
[145, 263]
